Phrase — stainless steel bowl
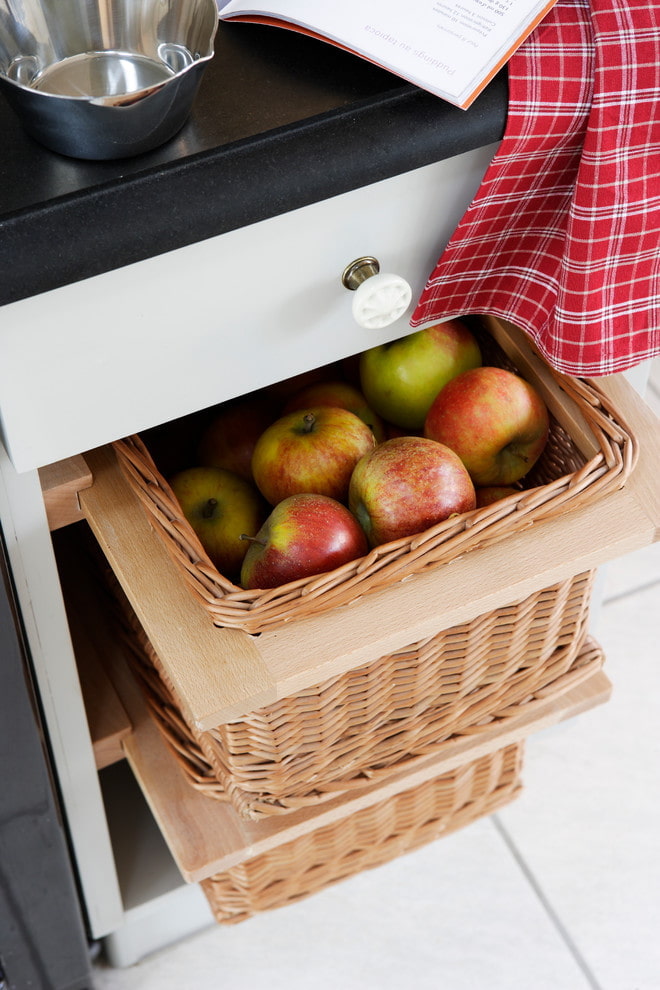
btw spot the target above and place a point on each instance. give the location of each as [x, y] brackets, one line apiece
[104, 78]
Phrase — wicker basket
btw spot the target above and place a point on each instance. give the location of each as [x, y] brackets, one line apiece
[362, 724]
[562, 479]
[366, 839]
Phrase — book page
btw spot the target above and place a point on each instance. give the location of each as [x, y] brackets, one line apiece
[443, 45]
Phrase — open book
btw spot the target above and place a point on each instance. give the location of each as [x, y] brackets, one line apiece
[451, 48]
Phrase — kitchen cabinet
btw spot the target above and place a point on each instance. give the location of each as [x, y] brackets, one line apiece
[155, 355]
[164, 285]
[136, 291]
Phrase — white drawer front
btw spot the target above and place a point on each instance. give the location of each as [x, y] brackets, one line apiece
[115, 354]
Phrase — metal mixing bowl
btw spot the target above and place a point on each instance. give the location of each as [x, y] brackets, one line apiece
[104, 78]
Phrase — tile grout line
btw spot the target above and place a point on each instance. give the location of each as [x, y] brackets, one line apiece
[547, 906]
[619, 595]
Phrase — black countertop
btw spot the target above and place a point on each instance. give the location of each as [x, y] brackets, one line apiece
[280, 121]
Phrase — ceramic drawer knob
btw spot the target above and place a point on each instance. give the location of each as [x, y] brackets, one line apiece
[380, 297]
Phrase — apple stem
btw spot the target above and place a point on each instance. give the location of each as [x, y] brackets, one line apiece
[309, 419]
[210, 508]
[252, 539]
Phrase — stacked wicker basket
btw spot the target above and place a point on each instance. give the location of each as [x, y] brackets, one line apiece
[382, 716]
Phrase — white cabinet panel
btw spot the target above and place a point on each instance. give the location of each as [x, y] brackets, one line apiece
[115, 354]
[37, 588]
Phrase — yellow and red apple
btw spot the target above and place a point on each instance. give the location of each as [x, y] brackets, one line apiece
[304, 535]
[310, 450]
[400, 379]
[494, 420]
[221, 507]
[341, 395]
[406, 485]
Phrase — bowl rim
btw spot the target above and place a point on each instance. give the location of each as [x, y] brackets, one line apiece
[129, 98]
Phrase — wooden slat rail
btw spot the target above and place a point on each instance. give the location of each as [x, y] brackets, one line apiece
[60, 483]
[109, 724]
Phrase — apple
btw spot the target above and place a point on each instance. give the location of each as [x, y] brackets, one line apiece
[495, 421]
[400, 379]
[221, 507]
[494, 493]
[229, 439]
[310, 450]
[406, 485]
[304, 535]
[341, 395]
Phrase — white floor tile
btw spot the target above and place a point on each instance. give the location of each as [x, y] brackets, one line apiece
[588, 826]
[632, 573]
[457, 915]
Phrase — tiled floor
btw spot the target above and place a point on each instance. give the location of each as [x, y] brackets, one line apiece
[559, 891]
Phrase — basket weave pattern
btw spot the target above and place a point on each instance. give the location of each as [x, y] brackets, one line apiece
[561, 480]
[366, 839]
[362, 724]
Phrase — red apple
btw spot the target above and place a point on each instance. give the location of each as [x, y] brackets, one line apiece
[311, 450]
[341, 395]
[400, 379]
[229, 439]
[495, 421]
[494, 493]
[220, 506]
[304, 535]
[406, 485]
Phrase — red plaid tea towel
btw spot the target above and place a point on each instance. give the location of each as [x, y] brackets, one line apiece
[563, 236]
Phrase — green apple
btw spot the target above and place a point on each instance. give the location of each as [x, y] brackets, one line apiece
[221, 507]
[400, 379]
[304, 535]
[310, 450]
[341, 395]
[497, 423]
[406, 485]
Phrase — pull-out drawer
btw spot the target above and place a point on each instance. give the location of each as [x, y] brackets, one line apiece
[223, 673]
[281, 715]
[473, 774]
[248, 866]
[117, 353]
